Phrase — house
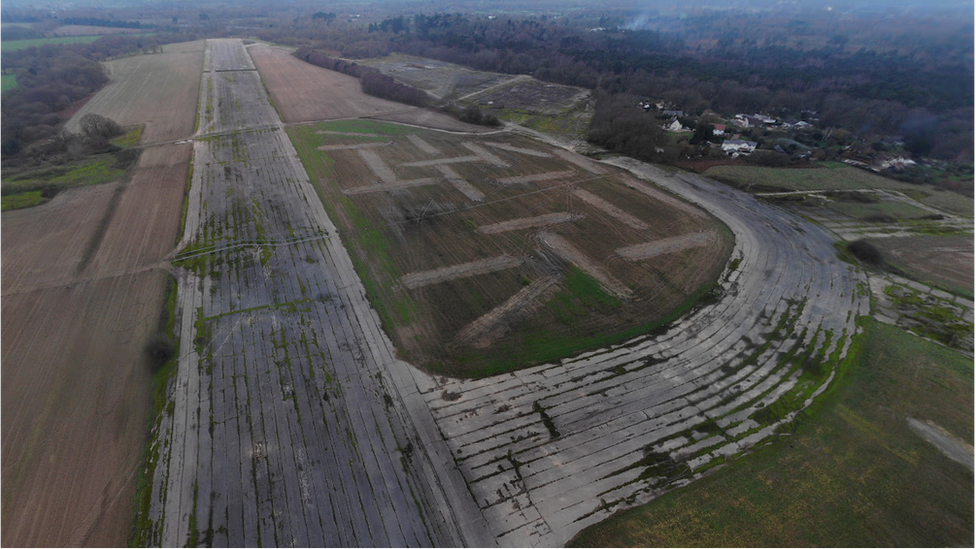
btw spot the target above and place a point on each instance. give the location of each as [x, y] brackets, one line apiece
[736, 147]
[719, 129]
[897, 164]
[674, 113]
[675, 127]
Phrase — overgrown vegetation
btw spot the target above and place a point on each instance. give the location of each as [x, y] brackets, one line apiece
[87, 159]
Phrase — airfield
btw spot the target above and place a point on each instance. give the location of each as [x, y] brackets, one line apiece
[361, 291]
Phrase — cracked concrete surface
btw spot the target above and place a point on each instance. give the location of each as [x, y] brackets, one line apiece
[293, 423]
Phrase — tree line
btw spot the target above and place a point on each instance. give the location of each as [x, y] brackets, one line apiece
[371, 80]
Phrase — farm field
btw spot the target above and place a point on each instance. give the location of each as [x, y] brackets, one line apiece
[853, 474]
[302, 92]
[563, 111]
[439, 78]
[14, 45]
[432, 203]
[90, 30]
[158, 90]
[832, 176]
[941, 261]
[86, 270]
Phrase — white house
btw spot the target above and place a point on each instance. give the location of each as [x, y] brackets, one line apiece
[736, 147]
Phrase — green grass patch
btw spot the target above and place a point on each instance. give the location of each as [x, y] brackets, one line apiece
[21, 200]
[94, 170]
[8, 82]
[364, 126]
[14, 45]
[852, 474]
[129, 139]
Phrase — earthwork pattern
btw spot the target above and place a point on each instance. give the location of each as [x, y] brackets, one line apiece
[458, 235]
[293, 423]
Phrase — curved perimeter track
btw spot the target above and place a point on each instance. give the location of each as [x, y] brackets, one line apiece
[294, 424]
[552, 449]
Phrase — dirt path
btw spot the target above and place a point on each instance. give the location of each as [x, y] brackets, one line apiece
[570, 254]
[536, 177]
[953, 448]
[665, 246]
[544, 220]
[496, 322]
[614, 212]
[484, 266]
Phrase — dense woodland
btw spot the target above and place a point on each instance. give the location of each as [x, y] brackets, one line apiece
[923, 96]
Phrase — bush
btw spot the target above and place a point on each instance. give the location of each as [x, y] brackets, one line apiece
[865, 251]
[474, 115]
[159, 350]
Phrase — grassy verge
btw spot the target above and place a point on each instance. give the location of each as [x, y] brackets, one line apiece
[853, 473]
[22, 200]
[371, 243]
[142, 526]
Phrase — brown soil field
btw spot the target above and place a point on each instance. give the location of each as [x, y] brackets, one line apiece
[76, 404]
[83, 290]
[159, 90]
[405, 231]
[304, 92]
[942, 259]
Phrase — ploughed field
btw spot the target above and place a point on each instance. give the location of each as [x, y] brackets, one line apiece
[84, 282]
[484, 254]
[158, 90]
[302, 92]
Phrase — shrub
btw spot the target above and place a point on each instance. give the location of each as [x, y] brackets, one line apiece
[474, 115]
[159, 349]
[865, 251]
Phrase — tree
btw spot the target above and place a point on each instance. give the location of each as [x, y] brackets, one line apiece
[96, 126]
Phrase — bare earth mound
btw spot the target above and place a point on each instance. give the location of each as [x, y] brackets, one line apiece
[304, 92]
[428, 215]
